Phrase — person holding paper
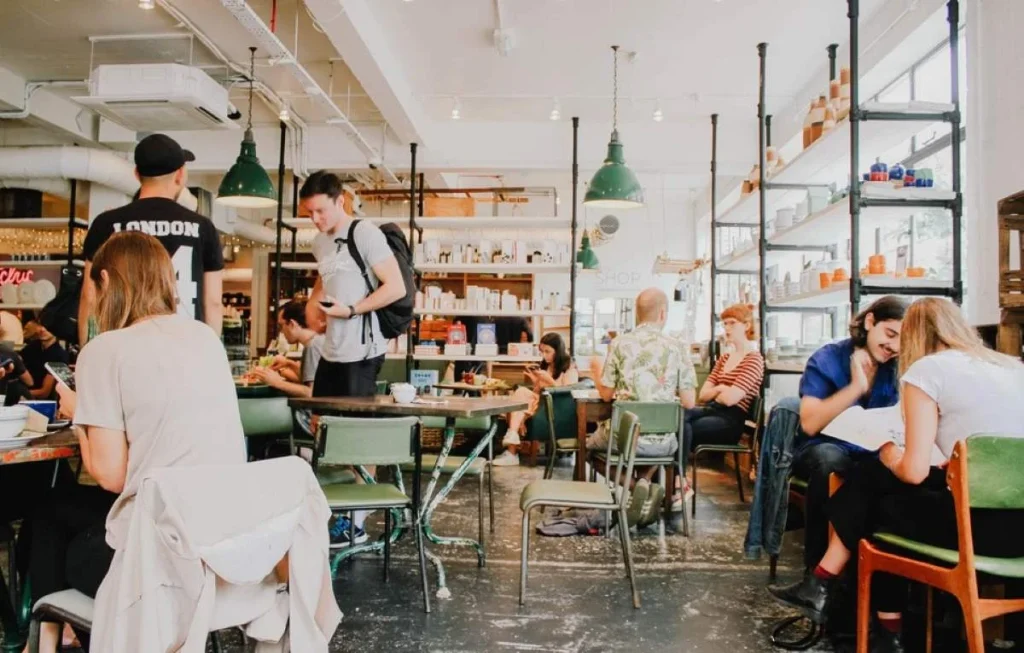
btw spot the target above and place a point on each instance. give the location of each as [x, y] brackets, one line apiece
[952, 387]
[860, 370]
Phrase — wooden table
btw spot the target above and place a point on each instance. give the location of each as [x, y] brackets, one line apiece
[451, 409]
[589, 408]
[54, 446]
[470, 388]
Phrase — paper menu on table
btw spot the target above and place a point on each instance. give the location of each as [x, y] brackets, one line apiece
[872, 428]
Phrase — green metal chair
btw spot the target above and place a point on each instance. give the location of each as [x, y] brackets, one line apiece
[655, 418]
[356, 441]
[267, 420]
[555, 415]
[751, 431]
[984, 473]
[478, 469]
[588, 495]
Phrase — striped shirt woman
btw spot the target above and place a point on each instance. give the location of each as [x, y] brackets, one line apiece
[731, 388]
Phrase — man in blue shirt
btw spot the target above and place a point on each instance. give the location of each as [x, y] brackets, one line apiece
[860, 370]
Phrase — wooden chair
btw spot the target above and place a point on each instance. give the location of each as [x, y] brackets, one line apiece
[983, 473]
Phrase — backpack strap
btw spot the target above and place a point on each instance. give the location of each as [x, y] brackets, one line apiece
[358, 258]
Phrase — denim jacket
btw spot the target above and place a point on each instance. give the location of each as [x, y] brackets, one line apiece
[771, 491]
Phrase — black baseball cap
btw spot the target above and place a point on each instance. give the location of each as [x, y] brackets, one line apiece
[159, 154]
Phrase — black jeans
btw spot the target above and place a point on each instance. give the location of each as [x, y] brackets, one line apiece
[872, 499]
[355, 379]
[814, 462]
[712, 424]
[68, 546]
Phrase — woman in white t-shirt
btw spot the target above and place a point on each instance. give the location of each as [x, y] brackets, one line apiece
[952, 387]
[154, 390]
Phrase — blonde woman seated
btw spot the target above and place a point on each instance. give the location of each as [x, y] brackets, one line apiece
[154, 390]
[557, 369]
[952, 388]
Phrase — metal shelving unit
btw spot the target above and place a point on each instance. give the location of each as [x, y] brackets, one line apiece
[819, 232]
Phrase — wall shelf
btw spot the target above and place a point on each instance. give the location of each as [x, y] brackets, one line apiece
[41, 223]
[495, 268]
[451, 312]
[512, 223]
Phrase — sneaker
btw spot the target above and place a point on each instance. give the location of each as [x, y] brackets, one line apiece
[506, 459]
[339, 534]
[636, 502]
[652, 506]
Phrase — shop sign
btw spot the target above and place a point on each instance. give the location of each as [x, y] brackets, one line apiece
[15, 276]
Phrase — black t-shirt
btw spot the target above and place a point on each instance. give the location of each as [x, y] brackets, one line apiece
[189, 238]
[35, 359]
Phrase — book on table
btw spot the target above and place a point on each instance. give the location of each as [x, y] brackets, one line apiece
[872, 428]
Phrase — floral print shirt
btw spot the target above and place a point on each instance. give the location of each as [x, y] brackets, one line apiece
[647, 365]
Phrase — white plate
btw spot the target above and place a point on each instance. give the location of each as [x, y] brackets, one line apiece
[27, 292]
[45, 291]
[9, 293]
[18, 442]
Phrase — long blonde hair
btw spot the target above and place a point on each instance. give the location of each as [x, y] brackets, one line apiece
[932, 324]
[139, 283]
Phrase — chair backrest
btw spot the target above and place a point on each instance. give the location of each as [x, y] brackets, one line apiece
[655, 417]
[367, 441]
[626, 436]
[266, 416]
[755, 417]
[993, 462]
[542, 426]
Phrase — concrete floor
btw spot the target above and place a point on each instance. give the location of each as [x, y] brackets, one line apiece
[699, 594]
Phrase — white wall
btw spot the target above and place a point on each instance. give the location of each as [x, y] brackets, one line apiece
[995, 61]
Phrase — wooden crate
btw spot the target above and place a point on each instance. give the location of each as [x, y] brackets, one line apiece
[1011, 274]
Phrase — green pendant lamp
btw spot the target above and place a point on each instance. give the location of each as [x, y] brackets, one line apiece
[586, 257]
[247, 184]
[614, 185]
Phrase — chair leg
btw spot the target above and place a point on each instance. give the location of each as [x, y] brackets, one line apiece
[773, 564]
[972, 624]
[387, 543]
[549, 468]
[627, 554]
[423, 560]
[668, 498]
[693, 500]
[480, 511]
[929, 615]
[33, 636]
[490, 494]
[863, 600]
[524, 556]
[739, 475]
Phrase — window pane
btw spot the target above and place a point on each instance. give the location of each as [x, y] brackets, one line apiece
[898, 91]
[931, 78]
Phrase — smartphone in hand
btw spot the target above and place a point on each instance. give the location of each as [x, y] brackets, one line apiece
[62, 373]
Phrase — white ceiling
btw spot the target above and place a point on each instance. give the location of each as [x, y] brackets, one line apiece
[693, 58]
[696, 56]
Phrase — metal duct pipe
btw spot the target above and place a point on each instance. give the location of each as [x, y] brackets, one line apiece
[65, 162]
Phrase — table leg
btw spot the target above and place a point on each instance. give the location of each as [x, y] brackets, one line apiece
[432, 501]
[581, 441]
[14, 639]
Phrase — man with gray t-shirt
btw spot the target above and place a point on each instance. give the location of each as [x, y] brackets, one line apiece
[354, 348]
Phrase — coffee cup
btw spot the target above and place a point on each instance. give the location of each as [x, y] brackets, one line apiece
[403, 393]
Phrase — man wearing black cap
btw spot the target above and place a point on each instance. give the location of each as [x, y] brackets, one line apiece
[190, 239]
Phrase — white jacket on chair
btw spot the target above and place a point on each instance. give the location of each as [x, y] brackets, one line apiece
[200, 556]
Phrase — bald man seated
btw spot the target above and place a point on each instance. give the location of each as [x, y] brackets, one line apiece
[645, 365]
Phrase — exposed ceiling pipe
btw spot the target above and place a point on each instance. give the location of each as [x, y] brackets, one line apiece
[273, 47]
[296, 126]
[66, 162]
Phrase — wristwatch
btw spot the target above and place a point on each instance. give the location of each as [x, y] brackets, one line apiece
[351, 311]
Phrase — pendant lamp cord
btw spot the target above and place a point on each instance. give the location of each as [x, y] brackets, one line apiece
[252, 76]
[615, 88]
